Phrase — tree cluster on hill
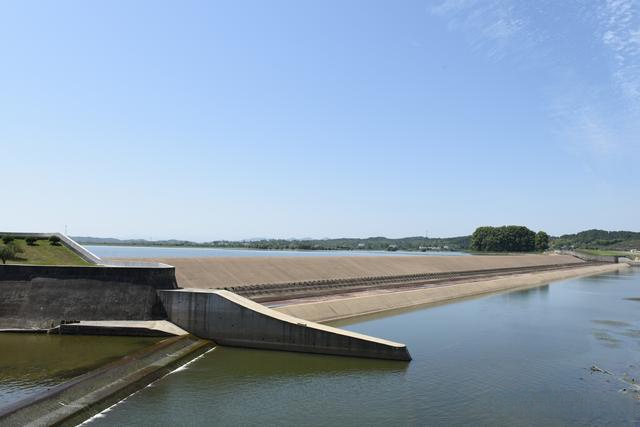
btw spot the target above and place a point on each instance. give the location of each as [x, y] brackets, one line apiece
[508, 238]
[599, 239]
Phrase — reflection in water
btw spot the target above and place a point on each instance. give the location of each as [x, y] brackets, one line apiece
[32, 362]
[539, 291]
[237, 362]
[614, 323]
[509, 359]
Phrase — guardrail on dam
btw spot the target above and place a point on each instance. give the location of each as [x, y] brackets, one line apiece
[229, 319]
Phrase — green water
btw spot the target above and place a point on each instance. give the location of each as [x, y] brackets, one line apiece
[30, 363]
[518, 359]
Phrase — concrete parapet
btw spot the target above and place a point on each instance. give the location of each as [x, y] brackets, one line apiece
[229, 319]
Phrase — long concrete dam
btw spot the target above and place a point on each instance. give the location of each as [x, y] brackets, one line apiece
[269, 279]
[185, 290]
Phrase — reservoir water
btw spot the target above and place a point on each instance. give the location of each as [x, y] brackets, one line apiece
[31, 363]
[563, 354]
[107, 251]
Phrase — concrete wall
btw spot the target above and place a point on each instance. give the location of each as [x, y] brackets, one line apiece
[229, 319]
[41, 296]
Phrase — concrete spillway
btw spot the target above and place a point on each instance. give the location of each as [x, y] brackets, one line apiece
[229, 319]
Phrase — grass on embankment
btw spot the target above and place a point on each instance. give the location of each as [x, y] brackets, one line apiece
[44, 253]
[606, 252]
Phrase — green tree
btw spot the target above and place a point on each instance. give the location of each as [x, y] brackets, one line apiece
[31, 240]
[542, 241]
[7, 239]
[7, 252]
[508, 238]
[55, 240]
[479, 238]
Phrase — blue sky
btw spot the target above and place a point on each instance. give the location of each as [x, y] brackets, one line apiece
[242, 119]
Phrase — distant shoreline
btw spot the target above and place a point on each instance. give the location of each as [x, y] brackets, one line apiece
[249, 248]
[589, 240]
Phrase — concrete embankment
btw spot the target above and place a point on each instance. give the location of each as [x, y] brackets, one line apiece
[74, 401]
[218, 273]
[229, 319]
[341, 307]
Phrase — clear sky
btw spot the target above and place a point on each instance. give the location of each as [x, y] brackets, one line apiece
[243, 119]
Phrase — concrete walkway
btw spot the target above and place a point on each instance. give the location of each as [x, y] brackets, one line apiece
[146, 328]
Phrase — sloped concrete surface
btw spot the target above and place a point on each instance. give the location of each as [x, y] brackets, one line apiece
[74, 401]
[341, 307]
[221, 272]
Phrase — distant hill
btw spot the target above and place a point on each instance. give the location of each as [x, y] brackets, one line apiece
[590, 239]
[371, 243]
[599, 239]
[86, 240]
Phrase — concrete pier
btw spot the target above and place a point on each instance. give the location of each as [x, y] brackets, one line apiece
[229, 319]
